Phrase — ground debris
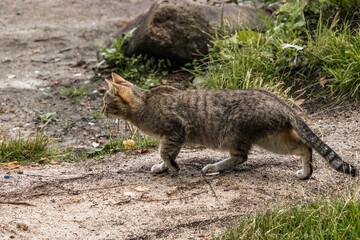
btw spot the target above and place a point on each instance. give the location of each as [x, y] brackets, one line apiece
[17, 203]
[22, 226]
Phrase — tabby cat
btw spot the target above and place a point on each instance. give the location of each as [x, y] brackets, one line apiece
[226, 120]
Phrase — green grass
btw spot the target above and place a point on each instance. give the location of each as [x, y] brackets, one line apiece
[113, 146]
[32, 149]
[335, 52]
[77, 93]
[245, 60]
[141, 142]
[327, 59]
[326, 219]
[97, 114]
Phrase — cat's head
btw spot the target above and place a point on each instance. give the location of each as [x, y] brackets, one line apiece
[122, 100]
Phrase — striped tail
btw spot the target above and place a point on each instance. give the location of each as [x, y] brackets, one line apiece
[313, 141]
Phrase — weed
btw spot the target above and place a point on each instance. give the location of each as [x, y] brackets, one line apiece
[47, 117]
[117, 144]
[97, 114]
[287, 54]
[326, 219]
[245, 60]
[75, 100]
[336, 55]
[32, 149]
[143, 70]
[75, 91]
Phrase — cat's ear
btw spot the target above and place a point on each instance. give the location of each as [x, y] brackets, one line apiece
[119, 80]
[123, 92]
[111, 85]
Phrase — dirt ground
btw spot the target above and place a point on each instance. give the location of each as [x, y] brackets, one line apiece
[47, 45]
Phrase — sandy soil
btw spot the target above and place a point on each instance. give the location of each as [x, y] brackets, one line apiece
[45, 45]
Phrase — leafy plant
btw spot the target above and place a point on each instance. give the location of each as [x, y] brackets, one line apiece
[47, 117]
[97, 114]
[75, 91]
[144, 70]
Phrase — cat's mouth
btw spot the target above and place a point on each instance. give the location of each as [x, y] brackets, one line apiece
[106, 114]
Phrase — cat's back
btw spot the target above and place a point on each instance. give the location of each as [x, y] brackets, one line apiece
[215, 101]
[229, 100]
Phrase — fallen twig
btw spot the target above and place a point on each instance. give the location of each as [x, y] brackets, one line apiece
[64, 50]
[47, 122]
[212, 189]
[17, 203]
[171, 199]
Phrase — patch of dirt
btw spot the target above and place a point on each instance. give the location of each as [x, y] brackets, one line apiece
[46, 46]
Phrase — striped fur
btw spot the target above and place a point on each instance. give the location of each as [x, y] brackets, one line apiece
[226, 120]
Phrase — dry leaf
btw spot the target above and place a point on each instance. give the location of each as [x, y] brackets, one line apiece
[125, 22]
[142, 189]
[172, 192]
[141, 151]
[78, 147]
[163, 81]
[299, 102]
[54, 162]
[54, 83]
[129, 144]
[296, 157]
[95, 144]
[22, 226]
[12, 164]
[322, 80]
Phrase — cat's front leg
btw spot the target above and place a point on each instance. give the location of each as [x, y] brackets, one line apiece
[159, 168]
[169, 149]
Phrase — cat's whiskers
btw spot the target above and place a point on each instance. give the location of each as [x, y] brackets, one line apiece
[108, 126]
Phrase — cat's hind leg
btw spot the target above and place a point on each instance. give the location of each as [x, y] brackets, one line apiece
[169, 149]
[287, 141]
[236, 157]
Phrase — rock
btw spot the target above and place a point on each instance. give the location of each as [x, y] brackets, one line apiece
[179, 30]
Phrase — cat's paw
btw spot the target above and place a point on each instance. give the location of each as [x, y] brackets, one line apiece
[174, 172]
[302, 175]
[159, 168]
[210, 168]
